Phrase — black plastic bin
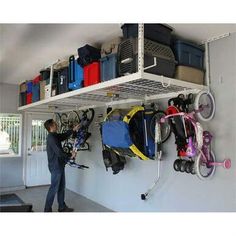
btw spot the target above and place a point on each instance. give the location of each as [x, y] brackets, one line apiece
[63, 80]
[155, 32]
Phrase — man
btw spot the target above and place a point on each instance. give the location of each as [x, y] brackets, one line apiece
[57, 160]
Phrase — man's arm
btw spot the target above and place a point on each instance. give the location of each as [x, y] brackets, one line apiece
[58, 150]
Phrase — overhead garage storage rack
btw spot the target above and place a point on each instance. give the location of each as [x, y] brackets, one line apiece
[136, 87]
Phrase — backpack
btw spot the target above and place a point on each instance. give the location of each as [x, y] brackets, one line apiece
[112, 160]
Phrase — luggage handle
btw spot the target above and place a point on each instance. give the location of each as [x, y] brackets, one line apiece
[153, 65]
[72, 70]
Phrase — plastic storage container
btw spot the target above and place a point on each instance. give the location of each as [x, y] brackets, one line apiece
[128, 55]
[92, 74]
[189, 74]
[45, 74]
[188, 54]
[108, 67]
[63, 80]
[110, 47]
[76, 75]
[155, 32]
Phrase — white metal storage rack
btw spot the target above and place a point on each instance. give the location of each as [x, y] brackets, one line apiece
[136, 87]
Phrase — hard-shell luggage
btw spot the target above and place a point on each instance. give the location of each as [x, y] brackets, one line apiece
[128, 58]
[108, 67]
[189, 54]
[88, 54]
[76, 75]
[189, 74]
[155, 32]
[36, 92]
[29, 85]
[22, 100]
[63, 80]
[110, 47]
[29, 98]
[92, 74]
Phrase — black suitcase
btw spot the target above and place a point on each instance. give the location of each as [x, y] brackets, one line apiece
[88, 54]
[128, 58]
[22, 98]
[63, 80]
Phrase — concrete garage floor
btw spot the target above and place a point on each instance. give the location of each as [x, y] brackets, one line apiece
[37, 196]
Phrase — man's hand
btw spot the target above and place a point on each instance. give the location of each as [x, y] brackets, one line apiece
[76, 128]
[73, 155]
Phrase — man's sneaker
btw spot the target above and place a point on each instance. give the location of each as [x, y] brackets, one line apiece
[66, 209]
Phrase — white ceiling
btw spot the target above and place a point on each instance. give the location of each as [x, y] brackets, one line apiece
[26, 48]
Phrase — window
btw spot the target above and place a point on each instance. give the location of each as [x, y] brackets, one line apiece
[38, 136]
[10, 134]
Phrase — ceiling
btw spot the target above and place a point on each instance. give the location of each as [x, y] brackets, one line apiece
[27, 48]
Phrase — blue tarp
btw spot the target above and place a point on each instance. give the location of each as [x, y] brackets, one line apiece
[116, 134]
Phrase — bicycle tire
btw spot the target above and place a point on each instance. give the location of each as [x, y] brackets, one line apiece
[176, 164]
[198, 165]
[165, 127]
[73, 119]
[57, 118]
[203, 115]
[64, 119]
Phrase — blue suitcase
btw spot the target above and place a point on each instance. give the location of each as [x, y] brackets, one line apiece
[109, 67]
[76, 75]
[36, 92]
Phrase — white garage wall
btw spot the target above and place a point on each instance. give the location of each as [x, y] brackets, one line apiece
[176, 191]
[11, 168]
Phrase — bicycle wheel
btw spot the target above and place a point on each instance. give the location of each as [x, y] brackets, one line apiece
[64, 119]
[177, 164]
[57, 118]
[90, 116]
[73, 119]
[203, 170]
[206, 103]
[165, 127]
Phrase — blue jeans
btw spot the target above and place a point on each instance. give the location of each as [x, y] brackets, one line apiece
[57, 187]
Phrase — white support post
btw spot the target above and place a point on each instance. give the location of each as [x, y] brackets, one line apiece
[141, 49]
[207, 62]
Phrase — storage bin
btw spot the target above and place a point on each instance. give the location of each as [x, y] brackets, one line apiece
[92, 74]
[45, 74]
[62, 81]
[108, 67]
[23, 87]
[29, 98]
[42, 88]
[22, 98]
[29, 85]
[189, 74]
[155, 32]
[128, 58]
[35, 92]
[110, 47]
[76, 75]
[188, 54]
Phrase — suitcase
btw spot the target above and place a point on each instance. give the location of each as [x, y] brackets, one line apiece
[62, 81]
[110, 47]
[29, 98]
[22, 100]
[128, 58]
[76, 75]
[189, 74]
[189, 54]
[35, 92]
[88, 54]
[29, 85]
[92, 74]
[155, 32]
[108, 67]
[23, 87]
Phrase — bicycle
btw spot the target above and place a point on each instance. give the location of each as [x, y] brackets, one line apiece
[198, 146]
